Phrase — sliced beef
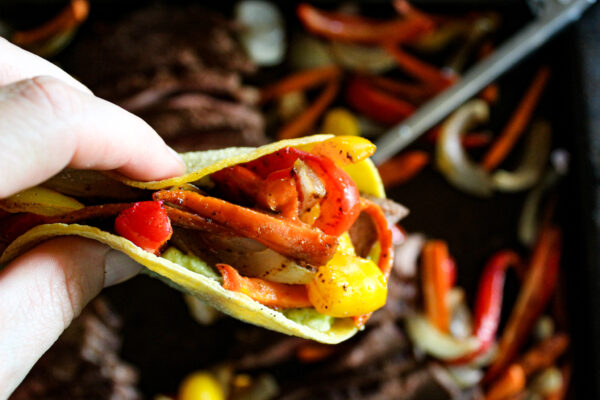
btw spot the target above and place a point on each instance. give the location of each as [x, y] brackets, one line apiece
[83, 363]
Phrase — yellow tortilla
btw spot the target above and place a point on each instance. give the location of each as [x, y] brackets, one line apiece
[238, 305]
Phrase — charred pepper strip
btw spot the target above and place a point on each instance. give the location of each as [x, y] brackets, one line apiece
[488, 303]
[539, 284]
[291, 239]
[272, 294]
[358, 29]
[384, 235]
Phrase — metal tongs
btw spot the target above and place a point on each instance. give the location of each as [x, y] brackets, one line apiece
[552, 16]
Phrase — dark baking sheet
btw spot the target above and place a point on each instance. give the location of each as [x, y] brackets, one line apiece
[162, 340]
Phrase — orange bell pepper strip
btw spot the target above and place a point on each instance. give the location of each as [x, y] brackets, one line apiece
[311, 352]
[543, 355]
[304, 122]
[376, 104]
[271, 294]
[537, 289]
[70, 17]
[518, 122]
[437, 278]
[349, 28]
[300, 81]
[402, 168]
[510, 384]
[420, 70]
[291, 239]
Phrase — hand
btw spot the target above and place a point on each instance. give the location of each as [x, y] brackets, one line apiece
[49, 121]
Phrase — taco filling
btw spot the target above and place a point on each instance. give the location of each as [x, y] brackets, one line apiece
[288, 229]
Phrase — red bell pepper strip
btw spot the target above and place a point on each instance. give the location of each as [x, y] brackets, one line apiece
[358, 29]
[291, 239]
[402, 168]
[415, 93]
[146, 224]
[302, 80]
[537, 289]
[271, 294]
[376, 104]
[437, 276]
[420, 70]
[488, 302]
[341, 205]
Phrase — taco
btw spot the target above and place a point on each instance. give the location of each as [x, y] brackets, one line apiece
[275, 236]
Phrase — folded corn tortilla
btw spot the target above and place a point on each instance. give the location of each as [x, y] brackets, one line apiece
[199, 166]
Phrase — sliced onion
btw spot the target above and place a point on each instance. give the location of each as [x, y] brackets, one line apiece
[544, 328]
[528, 225]
[308, 52]
[547, 382]
[436, 343]
[531, 168]
[263, 35]
[85, 183]
[451, 158]
[311, 187]
[407, 254]
[373, 59]
[465, 376]
[290, 105]
[200, 311]
[269, 265]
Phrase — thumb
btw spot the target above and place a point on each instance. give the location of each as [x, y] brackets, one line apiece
[43, 290]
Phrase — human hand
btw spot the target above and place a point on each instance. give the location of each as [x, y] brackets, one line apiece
[49, 121]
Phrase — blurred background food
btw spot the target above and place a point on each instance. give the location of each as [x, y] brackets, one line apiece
[478, 306]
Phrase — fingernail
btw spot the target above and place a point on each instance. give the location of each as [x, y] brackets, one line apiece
[177, 157]
[118, 267]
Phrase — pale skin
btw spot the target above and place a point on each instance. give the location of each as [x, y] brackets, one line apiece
[49, 121]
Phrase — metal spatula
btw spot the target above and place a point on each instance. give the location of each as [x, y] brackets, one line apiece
[551, 17]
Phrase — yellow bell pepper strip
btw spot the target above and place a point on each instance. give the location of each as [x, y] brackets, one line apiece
[15, 225]
[69, 18]
[308, 118]
[538, 286]
[146, 224]
[376, 104]
[437, 276]
[420, 70]
[349, 28]
[340, 122]
[302, 80]
[402, 168]
[271, 294]
[518, 121]
[291, 239]
[201, 385]
[488, 301]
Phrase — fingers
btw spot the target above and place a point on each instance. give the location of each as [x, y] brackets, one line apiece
[17, 64]
[47, 125]
[43, 290]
